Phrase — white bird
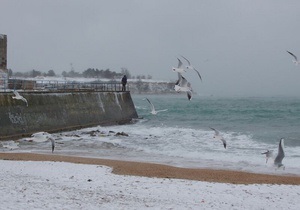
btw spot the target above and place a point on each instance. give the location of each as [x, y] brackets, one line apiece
[191, 67]
[182, 85]
[180, 68]
[295, 61]
[43, 137]
[153, 111]
[219, 137]
[19, 97]
[269, 154]
[280, 155]
[39, 137]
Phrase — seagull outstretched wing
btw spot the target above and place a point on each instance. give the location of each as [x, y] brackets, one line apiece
[191, 67]
[295, 57]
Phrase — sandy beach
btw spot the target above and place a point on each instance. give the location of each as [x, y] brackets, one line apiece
[162, 171]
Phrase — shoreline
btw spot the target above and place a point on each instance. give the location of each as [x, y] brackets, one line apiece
[162, 171]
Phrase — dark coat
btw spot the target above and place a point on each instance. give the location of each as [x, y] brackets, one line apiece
[124, 80]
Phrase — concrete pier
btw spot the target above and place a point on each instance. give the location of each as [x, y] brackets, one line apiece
[54, 112]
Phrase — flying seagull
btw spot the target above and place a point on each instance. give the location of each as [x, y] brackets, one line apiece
[269, 154]
[43, 137]
[153, 111]
[19, 97]
[295, 61]
[280, 155]
[219, 137]
[180, 68]
[182, 85]
[191, 67]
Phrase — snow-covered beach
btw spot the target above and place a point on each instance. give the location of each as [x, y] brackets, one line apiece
[63, 185]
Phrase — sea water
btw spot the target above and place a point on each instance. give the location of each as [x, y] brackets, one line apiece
[182, 135]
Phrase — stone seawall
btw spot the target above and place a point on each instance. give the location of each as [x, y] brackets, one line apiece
[53, 112]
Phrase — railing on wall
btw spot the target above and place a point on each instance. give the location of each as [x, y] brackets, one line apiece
[59, 86]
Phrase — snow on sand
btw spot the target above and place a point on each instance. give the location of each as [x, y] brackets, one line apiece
[60, 185]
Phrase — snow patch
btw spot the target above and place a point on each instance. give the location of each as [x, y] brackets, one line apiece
[62, 185]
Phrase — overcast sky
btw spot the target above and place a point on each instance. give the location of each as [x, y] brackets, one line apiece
[238, 46]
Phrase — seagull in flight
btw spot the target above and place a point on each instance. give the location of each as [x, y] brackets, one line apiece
[19, 97]
[280, 155]
[42, 137]
[295, 61]
[180, 69]
[191, 67]
[153, 111]
[269, 154]
[219, 137]
[182, 85]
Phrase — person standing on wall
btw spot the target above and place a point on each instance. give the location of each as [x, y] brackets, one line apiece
[124, 82]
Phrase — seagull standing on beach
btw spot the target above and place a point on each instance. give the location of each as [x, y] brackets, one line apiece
[180, 69]
[182, 85]
[153, 111]
[295, 61]
[52, 142]
[219, 137]
[191, 67]
[19, 97]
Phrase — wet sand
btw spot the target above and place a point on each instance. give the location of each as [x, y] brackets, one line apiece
[162, 171]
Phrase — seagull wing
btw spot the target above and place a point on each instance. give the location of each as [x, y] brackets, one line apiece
[293, 55]
[184, 82]
[151, 105]
[189, 86]
[163, 110]
[224, 142]
[189, 63]
[268, 153]
[16, 93]
[280, 154]
[179, 63]
[24, 99]
[179, 79]
[216, 132]
[198, 73]
[189, 95]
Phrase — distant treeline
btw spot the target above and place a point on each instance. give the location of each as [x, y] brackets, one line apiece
[93, 73]
[89, 73]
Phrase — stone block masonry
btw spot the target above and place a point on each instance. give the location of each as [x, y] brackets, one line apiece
[3, 52]
[54, 112]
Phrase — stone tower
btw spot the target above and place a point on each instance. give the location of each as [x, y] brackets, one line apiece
[3, 52]
[3, 61]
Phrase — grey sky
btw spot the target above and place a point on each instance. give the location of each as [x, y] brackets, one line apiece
[238, 46]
